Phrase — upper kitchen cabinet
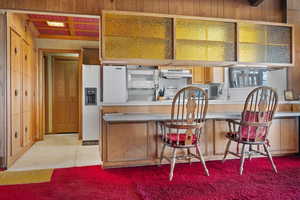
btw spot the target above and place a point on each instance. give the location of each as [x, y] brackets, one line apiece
[265, 44]
[156, 39]
[130, 37]
[199, 40]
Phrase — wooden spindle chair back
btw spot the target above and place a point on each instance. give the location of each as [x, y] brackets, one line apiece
[188, 113]
[257, 115]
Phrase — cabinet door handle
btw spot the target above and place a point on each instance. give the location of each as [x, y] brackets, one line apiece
[25, 57]
[16, 92]
[26, 93]
[16, 134]
[26, 129]
[16, 50]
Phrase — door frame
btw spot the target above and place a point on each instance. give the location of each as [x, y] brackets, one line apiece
[41, 90]
[3, 91]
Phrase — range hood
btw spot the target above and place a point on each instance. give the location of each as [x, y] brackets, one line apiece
[176, 73]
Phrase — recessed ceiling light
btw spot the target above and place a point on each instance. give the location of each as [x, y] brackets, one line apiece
[55, 24]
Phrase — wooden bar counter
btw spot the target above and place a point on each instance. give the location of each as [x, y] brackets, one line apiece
[130, 134]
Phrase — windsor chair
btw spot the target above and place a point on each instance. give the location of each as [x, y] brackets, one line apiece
[183, 131]
[253, 128]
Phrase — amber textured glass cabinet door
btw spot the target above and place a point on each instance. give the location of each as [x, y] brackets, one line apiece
[137, 37]
[252, 43]
[279, 44]
[200, 40]
[260, 43]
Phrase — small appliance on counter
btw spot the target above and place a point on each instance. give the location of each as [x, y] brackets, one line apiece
[142, 83]
[91, 104]
[214, 90]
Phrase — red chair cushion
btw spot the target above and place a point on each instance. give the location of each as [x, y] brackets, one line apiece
[254, 132]
[172, 138]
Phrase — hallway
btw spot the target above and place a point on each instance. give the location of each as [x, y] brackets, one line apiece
[58, 151]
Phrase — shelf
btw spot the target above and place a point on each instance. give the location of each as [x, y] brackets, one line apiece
[265, 44]
[204, 41]
[133, 37]
[137, 37]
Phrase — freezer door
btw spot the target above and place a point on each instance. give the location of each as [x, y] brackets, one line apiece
[114, 84]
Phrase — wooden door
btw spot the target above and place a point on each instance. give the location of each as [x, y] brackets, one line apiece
[65, 117]
[16, 92]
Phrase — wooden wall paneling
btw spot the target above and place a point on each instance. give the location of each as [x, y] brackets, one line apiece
[269, 10]
[67, 5]
[53, 5]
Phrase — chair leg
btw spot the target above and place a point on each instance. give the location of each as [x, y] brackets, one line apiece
[270, 157]
[242, 159]
[162, 154]
[226, 150]
[202, 160]
[189, 155]
[173, 162]
[250, 152]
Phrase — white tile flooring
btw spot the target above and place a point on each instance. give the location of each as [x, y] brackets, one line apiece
[58, 151]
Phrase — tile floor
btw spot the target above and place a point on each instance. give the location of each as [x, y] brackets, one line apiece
[58, 151]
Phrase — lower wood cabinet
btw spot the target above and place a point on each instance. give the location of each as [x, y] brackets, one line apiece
[274, 136]
[129, 142]
[283, 137]
[289, 136]
[138, 143]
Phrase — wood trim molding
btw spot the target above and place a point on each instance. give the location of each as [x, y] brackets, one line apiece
[3, 96]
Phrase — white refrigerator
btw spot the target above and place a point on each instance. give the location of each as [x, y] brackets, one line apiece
[91, 123]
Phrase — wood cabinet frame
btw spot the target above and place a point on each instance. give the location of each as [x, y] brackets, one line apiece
[175, 62]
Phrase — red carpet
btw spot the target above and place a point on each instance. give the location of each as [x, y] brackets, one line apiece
[151, 183]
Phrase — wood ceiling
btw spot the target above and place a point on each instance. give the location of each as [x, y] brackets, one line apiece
[76, 28]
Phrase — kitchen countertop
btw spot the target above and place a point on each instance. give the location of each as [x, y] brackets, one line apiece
[129, 117]
[169, 102]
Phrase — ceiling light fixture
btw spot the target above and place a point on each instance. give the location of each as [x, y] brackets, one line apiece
[56, 24]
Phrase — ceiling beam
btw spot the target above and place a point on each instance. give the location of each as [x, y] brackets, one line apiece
[255, 3]
[66, 29]
[68, 37]
[71, 26]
